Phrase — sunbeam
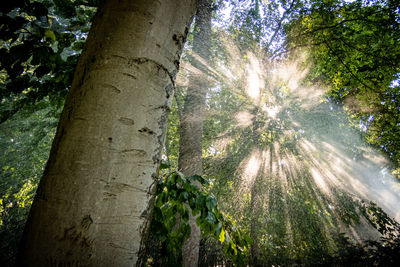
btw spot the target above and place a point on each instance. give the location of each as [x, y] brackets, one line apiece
[301, 172]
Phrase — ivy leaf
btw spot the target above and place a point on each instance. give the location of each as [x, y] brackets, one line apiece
[211, 218]
[186, 229]
[221, 236]
[200, 179]
[50, 34]
[211, 203]
[195, 212]
[170, 223]
[184, 196]
[185, 215]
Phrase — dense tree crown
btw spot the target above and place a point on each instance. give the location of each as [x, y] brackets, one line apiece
[283, 136]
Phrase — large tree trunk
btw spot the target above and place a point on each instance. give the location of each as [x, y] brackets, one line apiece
[190, 150]
[93, 203]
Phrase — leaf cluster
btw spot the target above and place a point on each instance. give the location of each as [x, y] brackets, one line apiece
[25, 142]
[40, 42]
[177, 197]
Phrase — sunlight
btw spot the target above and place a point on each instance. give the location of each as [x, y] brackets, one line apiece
[254, 78]
[250, 169]
[222, 143]
[290, 73]
[333, 166]
[271, 111]
[233, 56]
[253, 84]
[319, 180]
[289, 77]
[244, 119]
[323, 165]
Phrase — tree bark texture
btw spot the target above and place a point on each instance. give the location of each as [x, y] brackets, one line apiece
[191, 129]
[94, 201]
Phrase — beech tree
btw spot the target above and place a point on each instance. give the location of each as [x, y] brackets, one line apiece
[191, 119]
[95, 198]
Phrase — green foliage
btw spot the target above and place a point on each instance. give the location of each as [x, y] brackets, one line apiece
[383, 252]
[25, 142]
[40, 42]
[257, 24]
[290, 219]
[177, 197]
[355, 47]
[387, 226]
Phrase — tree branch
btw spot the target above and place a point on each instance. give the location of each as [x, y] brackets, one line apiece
[280, 24]
[347, 67]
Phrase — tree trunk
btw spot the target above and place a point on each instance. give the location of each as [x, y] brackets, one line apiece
[93, 203]
[190, 150]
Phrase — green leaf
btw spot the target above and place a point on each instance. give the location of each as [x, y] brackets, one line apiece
[185, 195]
[180, 208]
[200, 179]
[159, 202]
[211, 219]
[195, 212]
[170, 223]
[173, 194]
[211, 203]
[218, 228]
[50, 34]
[185, 215]
[181, 175]
[200, 201]
[248, 239]
[221, 236]
[192, 203]
[186, 229]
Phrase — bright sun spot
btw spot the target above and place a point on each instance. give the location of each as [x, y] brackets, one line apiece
[244, 119]
[271, 111]
[252, 168]
[254, 81]
[319, 180]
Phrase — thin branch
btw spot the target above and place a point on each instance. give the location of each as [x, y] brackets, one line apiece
[275, 55]
[366, 52]
[347, 67]
[340, 23]
[280, 24]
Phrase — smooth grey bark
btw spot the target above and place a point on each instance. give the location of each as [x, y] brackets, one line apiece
[94, 201]
[191, 129]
